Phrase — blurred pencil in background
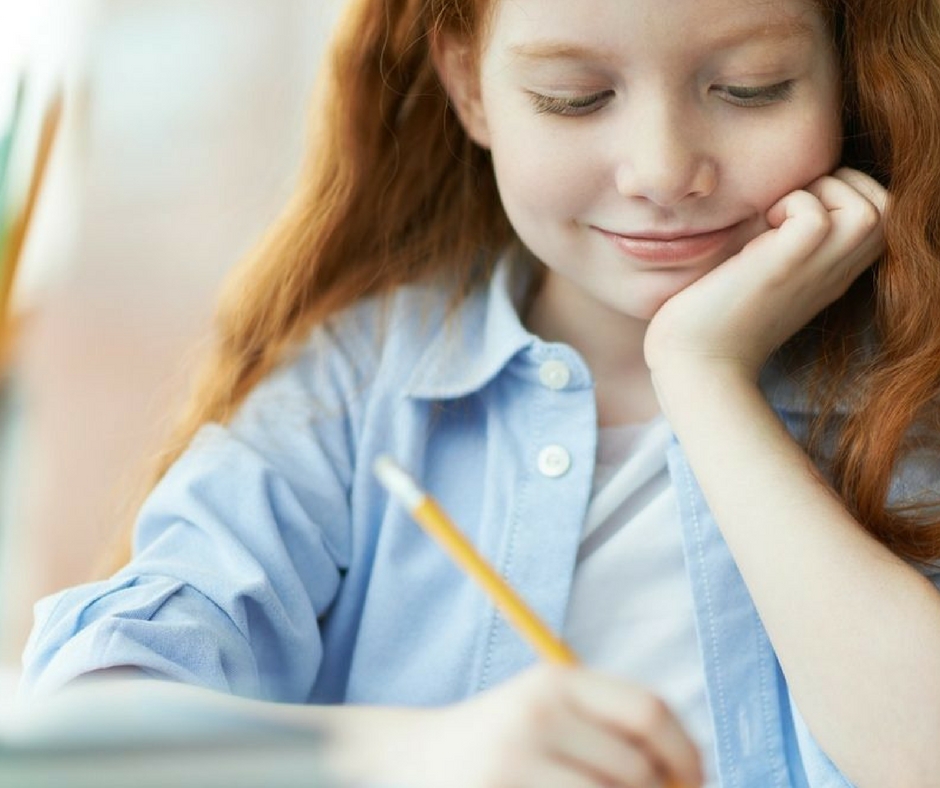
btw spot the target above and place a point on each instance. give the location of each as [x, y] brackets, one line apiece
[27, 150]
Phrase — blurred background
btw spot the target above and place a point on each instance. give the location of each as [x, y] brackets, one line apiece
[181, 136]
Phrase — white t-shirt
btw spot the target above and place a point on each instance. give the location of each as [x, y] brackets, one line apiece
[631, 612]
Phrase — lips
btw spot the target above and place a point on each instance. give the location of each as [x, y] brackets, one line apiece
[684, 246]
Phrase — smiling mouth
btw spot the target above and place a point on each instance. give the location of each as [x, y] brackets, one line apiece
[681, 247]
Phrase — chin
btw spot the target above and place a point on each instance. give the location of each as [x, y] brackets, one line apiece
[648, 307]
[641, 311]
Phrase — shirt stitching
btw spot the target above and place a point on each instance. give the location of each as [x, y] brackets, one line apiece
[722, 732]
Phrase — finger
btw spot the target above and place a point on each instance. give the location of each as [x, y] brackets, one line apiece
[598, 749]
[800, 224]
[861, 205]
[865, 185]
[856, 237]
[644, 719]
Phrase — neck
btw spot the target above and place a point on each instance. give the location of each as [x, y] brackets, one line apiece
[610, 342]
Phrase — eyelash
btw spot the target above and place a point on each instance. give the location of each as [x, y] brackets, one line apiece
[737, 95]
[574, 106]
[741, 96]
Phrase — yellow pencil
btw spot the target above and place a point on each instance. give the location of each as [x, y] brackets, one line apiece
[435, 521]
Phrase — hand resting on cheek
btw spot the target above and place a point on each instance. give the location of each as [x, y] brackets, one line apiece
[821, 238]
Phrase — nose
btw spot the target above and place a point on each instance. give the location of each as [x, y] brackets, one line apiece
[665, 157]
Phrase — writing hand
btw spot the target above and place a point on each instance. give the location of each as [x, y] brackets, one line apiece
[550, 726]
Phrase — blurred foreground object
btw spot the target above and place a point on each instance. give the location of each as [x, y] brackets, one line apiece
[151, 734]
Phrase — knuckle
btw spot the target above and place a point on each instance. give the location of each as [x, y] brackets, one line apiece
[540, 721]
[868, 217]
[641, 771]
[859, 213]
[542, 703]
[818, 220]
[652, 713]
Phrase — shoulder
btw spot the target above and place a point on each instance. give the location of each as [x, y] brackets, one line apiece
[354, 369]
[374, 342]
[387, 335]
[427, 339]
[352, 373]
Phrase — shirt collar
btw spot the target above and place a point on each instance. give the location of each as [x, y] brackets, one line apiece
[476, 341]
[479, 338]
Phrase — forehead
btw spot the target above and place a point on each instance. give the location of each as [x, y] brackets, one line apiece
[548, 27]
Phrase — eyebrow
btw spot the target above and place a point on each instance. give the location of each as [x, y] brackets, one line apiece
[782, 29]
[786, 28]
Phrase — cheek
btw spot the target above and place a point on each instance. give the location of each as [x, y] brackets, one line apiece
[793, 161]
[538, 174]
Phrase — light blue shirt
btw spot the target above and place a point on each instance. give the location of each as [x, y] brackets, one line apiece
[270, 563]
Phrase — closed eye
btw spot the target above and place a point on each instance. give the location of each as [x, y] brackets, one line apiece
[570, 105]
[761, 96]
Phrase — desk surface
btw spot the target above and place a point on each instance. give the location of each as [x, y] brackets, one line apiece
[9, 677]
[151, 735]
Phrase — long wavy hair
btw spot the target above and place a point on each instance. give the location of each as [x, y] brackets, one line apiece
[393, 190]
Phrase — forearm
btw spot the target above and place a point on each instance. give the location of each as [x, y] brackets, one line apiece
[856, 629]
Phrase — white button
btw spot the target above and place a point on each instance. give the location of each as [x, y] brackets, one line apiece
[554, 374]
[554, 461]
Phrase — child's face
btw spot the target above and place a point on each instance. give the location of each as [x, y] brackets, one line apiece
[616, 124]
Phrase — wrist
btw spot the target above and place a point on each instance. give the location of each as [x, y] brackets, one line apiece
[694, 387]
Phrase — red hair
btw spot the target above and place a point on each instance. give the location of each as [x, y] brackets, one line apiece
[888, 387]
[394, 190]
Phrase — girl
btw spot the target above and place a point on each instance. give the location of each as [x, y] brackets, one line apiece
[540, 244]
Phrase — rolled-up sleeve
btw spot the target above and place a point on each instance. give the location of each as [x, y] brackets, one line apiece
[122, 622]
[239, 553]
[229, 578]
